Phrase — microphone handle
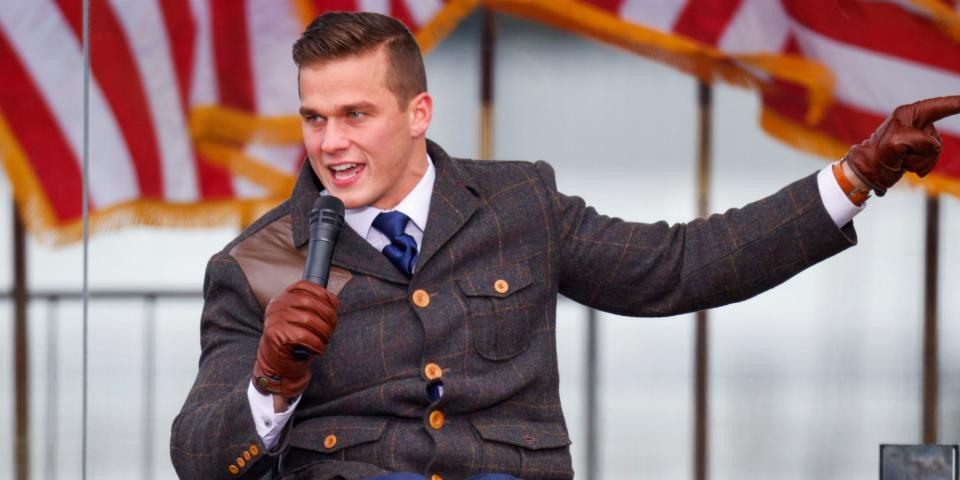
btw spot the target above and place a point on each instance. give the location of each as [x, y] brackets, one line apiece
[323, 237]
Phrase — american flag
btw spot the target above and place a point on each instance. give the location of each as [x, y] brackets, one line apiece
[192, 101]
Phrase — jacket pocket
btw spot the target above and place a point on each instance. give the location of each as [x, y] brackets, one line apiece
[501, 316]
[348, 438]
[543, 450]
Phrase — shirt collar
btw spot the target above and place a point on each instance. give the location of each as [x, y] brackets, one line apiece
[415, 205]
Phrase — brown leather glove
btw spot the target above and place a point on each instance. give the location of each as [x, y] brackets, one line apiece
[302, 316]
[905, 141]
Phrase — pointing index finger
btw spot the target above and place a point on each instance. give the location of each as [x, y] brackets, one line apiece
[933, 109]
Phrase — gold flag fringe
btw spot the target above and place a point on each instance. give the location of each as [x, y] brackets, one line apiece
[221, 133]
[43, 224]
[946, 18]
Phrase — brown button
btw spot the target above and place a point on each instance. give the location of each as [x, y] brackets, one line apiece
[432, 371]
[421, 298]
[436, 419]
[330, 441]
[241, 462]
[501, 286]
[246, 455]
[233, 469]
[435, 477]
[254, 450]
[263, 383]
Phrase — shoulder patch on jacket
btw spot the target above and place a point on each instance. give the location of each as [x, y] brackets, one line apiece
[271, 263]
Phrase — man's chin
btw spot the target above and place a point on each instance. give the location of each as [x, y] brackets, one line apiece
[349, 201]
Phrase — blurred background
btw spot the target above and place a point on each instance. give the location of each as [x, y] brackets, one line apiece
[804, 381]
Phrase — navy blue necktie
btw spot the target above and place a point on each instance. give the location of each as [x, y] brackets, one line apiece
[402, 250]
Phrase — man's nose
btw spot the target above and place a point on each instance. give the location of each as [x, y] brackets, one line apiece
[334, 137]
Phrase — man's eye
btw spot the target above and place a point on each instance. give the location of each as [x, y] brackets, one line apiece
[356, 115]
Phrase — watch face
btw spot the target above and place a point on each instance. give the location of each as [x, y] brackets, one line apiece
[918, 462]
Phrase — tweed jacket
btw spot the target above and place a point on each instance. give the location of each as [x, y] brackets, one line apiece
[500, 244]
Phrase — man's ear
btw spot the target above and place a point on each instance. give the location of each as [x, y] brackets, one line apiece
[420, 110]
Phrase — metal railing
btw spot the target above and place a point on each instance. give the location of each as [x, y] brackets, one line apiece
[53, 299]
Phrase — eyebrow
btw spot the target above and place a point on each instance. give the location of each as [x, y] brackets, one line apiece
[351, 107]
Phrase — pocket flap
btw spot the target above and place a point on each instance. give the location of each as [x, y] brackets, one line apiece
[498, 281]
[531, 436]
[330, 434]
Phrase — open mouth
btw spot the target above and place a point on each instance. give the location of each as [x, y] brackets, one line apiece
[345, 171]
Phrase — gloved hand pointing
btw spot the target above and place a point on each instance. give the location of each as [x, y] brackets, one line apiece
[905, 141]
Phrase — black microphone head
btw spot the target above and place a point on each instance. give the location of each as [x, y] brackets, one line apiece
[327, 209]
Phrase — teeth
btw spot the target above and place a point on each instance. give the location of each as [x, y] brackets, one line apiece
[345, 166]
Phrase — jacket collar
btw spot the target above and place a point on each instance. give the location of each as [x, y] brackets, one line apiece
[452, 203]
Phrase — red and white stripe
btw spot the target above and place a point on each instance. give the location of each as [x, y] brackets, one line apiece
[154, 61]
[882, 54]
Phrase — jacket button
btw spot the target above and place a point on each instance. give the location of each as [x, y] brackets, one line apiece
[501, 286]
[246, 455]
[421, 298]
[436, 419]
[241, 462]
[432, 371]
[330, 441]
[435, 477]
[254, 450]
[233, 469]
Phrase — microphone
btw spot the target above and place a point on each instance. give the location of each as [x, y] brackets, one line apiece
[326, 219]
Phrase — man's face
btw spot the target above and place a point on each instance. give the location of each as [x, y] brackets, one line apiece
[364, 148]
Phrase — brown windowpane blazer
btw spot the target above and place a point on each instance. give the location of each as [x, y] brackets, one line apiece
[500, 244]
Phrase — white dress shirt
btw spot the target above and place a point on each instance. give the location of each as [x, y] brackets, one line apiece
[416, 205]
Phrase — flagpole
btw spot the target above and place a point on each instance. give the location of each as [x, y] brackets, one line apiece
[701, 347]
[931, 368]
[21, 355]
[487, 49]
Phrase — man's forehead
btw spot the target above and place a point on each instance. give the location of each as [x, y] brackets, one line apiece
[342, 75]
[374, 60]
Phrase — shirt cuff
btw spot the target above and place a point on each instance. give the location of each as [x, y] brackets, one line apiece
[269, 423]
[840, 208]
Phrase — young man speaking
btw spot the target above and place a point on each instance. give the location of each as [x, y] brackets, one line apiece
[433, 346]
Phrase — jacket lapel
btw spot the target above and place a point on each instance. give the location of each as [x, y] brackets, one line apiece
[453, 202]
[356, 254]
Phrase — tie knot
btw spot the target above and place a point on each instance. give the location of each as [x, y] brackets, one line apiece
[392, 224]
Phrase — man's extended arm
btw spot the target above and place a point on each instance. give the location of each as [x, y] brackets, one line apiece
[657, 269]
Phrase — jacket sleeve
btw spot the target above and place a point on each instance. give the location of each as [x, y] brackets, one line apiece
[214, 435]
[657, 269]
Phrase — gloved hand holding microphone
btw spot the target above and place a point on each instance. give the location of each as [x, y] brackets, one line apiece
[300, 320]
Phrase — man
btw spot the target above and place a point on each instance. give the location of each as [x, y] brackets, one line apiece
[434, 345]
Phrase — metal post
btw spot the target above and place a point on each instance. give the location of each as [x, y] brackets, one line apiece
[85, 206]
[149, 364]
[487, 51]
[701, 347]
[931, 368]
[51, 458]
[21, 356]
[592, 405]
